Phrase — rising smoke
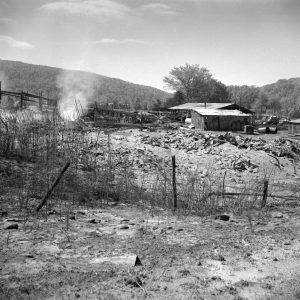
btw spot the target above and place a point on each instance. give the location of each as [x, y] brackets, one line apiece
[3, 79]
[76, 92]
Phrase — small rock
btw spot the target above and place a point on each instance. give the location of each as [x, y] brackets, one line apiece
[125, 220]
[219, 257]
[275, 259]
[277, 215]
[180, 229]
[184, 272]
[287, 243]
[215, 278]
[154, 227]
[93, 221]
[135, 281]
[124, 227]
[72, 217]
[223, 217]
[169, 228]
[12, 226]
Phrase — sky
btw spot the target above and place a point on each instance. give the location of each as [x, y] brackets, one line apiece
[253, 42]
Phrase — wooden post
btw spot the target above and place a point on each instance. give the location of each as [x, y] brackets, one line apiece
[174, 183]
[56, 182]
[141, 122]
[21, 101]
[41, 102]
[265, 193]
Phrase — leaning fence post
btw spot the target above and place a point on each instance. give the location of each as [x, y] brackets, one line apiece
[49, 192]
[265, 193]
[174, 183]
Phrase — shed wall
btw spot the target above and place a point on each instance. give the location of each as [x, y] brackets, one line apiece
[220, 123]
[294, 128]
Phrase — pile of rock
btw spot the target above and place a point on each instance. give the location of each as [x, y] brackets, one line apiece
[194, 141]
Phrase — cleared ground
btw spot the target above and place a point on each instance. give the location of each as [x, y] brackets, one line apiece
[250, 254]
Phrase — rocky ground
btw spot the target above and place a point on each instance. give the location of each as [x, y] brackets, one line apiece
[92, 253]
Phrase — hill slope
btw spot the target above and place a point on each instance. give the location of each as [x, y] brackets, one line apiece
[84, 86]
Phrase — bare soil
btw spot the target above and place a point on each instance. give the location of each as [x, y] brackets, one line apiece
[253, 255]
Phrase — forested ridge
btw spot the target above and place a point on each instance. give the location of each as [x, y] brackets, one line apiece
[281, 98]
[17, 76]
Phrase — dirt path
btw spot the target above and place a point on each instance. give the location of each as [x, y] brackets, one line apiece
[182, 257]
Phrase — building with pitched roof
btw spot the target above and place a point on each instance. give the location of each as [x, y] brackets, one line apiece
[216, 116]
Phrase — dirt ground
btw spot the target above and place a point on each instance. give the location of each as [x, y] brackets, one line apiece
[91, 254]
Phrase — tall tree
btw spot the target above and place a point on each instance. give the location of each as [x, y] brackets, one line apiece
[197, 84]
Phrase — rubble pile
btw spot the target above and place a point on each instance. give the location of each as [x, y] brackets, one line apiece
[195, 141]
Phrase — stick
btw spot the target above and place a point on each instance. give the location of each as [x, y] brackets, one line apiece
[265, 194]
[53, 186]
[174, 183]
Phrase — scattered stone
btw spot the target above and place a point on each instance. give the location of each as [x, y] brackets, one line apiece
[12, 226]
[125, 220]
[277, 215]
[224, 217]
[134, 281]
[219, 257]
[14, 220]
[123, 227]
[81, 212]
[215, 278]
[184, 272]
[4, 213]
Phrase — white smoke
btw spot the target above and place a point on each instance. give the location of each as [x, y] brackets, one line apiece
[3, 79]
[76, 92]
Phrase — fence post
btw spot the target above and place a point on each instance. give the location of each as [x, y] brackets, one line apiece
[174, 183]
[265, 193]
[21, 100]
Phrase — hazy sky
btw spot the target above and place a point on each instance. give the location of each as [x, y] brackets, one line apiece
[252, 42]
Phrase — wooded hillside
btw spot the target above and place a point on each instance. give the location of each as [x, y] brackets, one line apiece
[281, 98]
[55, 82]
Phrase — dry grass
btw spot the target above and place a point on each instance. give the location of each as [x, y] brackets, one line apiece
[35, 150]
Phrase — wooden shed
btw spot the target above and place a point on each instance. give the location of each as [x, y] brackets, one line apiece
[185, 110]
[220, 119]
[294, 127]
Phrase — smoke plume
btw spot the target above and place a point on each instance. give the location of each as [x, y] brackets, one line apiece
[76, 92]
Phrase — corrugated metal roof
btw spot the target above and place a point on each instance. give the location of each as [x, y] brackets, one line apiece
[297, 121]
[189, 106]
[220, 112]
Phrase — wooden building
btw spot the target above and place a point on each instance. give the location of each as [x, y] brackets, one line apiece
[220, 120]
[216, 116]
[294, 127]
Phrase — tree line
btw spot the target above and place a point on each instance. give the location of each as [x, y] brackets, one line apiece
[192, 83]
